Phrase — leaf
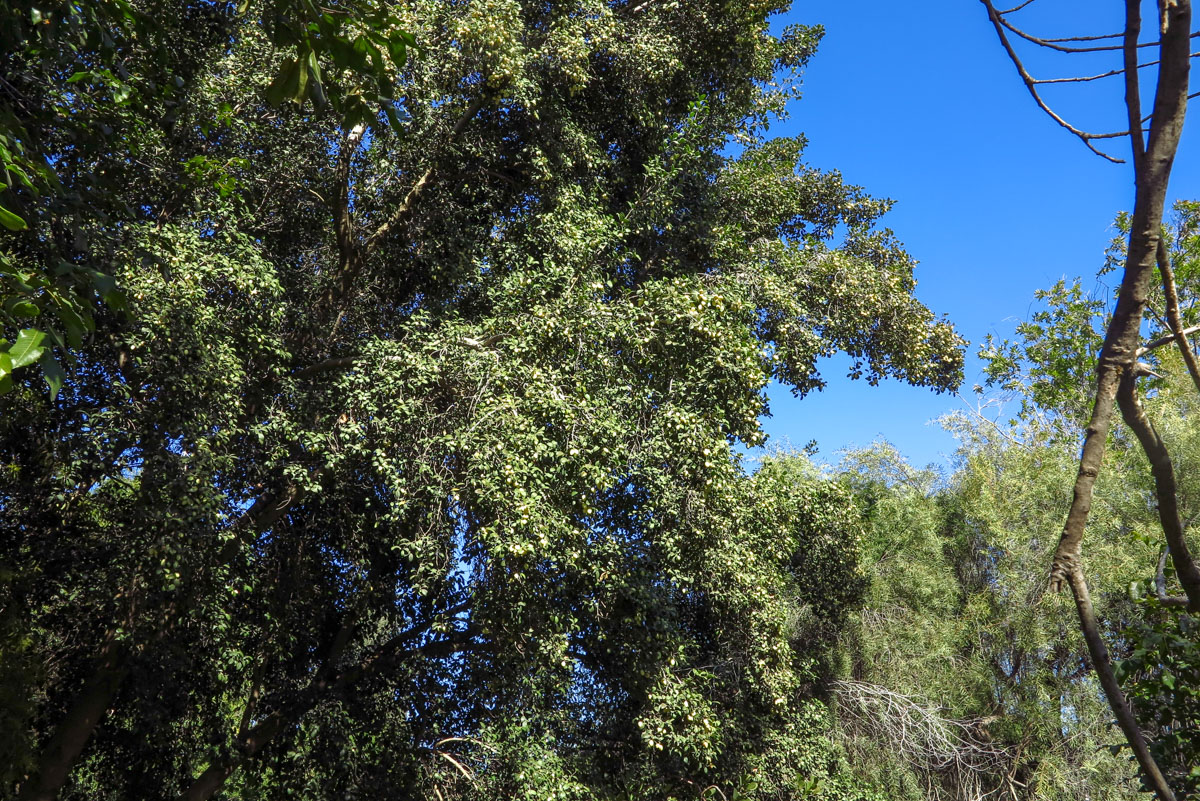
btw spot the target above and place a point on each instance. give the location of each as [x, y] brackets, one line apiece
[314, 72]
[28, 347]
[53, 373]
[24, 308]
[399, 52]
[284, 83]
[76, 324]
[301, 83]
[11, 221]
[390, 110]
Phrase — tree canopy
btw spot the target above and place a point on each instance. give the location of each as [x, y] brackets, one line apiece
[407, 460]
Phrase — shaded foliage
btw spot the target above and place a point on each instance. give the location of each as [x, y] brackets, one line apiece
[414, 465]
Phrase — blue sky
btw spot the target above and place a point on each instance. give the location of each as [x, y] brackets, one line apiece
[919, 103]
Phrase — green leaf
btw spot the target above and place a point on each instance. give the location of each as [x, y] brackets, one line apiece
[398, 51]
[27, 349]
[53, 373]
[300, 90]
[11, 221]
[76, 324]
[23, 308]
[284, 83]
[314, 72]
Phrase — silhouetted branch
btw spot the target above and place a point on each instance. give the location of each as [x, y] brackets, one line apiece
[1030, 84]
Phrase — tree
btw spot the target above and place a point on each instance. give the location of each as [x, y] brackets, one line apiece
[1156, 647]
[77, 74]
[414, 465]
[961, 680]
[1152, 156]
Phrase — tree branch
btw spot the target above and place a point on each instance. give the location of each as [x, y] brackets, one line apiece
[1167, 340]
[401, 214]
[1133, 91]
[1174, 317]
[327, 366]
[1117, 701]
[75, 729]
[353, 253]
[999, 24]
[1165, 488]
[1152, 173]
[1160, 582]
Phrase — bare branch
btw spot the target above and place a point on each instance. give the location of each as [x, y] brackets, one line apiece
[1102, 664]
[1165, 488]
[977, 412]
[401, 214]
[1128, 69]
[1087, 138]
[958, 752]
[1151, 174]
[327, 366]
[1057, 44]
[343, 222]
[1160, 582]
[1133, 90]
[1173, 315]
[354, 253]
[1016, 8]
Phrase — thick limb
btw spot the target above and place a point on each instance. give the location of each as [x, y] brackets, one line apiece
[1165, 489]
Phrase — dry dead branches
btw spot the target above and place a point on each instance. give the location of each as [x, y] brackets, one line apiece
[956, 758]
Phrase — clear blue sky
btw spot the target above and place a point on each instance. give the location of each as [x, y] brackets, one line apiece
[919, 103]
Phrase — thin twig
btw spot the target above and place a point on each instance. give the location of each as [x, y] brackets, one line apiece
[1085, 78]
[1016, 8]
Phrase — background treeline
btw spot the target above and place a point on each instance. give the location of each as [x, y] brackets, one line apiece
[374, 423]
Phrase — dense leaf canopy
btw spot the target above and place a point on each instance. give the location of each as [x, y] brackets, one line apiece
[412, 466]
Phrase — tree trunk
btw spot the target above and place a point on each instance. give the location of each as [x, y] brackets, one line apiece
[1152, 170]
[73, 733]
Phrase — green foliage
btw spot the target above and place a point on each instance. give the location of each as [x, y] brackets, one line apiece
[1161, 676]
[1018, 662]
[413, 465]
[1050, 366]
[957, 654]
[86, 79]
